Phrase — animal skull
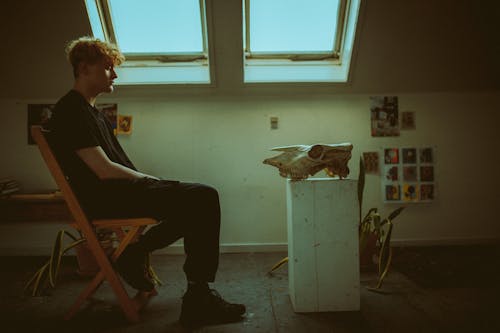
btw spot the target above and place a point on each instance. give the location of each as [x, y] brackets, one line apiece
[300, 161]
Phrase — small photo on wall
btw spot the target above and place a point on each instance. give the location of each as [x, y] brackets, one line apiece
[426, 192]
[427, 173]
[409, 155]
[391, 156]
[110, 111]
[371, 162]
[426, 155]
[38, 114]
[392, 193]
[410, 192]
[384, 116]
[408, 120]
[124, 125]
[410, 173]
[391, 173]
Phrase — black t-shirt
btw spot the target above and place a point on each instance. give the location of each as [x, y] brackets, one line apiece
[75, 124]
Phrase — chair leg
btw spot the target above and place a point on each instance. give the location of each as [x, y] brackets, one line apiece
[127, 304]
[86, 293]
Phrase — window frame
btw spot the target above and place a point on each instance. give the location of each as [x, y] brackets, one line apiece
[310, 68]
[169, 68]
[334, 55]
[104, 11]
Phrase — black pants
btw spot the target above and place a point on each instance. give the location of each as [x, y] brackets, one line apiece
[186, 210]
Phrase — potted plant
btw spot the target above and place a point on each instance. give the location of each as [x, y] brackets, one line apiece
[374, 234]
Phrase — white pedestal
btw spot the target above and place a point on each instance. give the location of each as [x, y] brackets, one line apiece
[322, 215]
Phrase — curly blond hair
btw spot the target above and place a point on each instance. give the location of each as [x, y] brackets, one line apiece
[91, 50]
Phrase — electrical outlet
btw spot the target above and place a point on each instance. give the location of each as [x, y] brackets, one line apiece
[274, 122]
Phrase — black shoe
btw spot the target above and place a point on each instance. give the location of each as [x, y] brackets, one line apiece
[131, 266]
[208, 308]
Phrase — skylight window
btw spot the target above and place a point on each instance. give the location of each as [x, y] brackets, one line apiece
[164, 41]
[157, 26]
[298, 41]
[291, 26]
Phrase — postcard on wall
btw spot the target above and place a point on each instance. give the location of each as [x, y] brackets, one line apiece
[371, 162]
[392, 193]
[427, 192]
[408, 174]
[408, 120]
[124, 124]
[38, 114]
[391, 155]
[384, 116]
[111, 113]
[410, 192]
[391, 173]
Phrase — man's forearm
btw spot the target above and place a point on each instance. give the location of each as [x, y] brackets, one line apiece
[116, 170]
[104, 168]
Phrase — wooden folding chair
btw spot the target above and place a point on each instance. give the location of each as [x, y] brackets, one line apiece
[125, 229]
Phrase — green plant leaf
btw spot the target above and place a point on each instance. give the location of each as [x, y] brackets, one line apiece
[70, 235]
[41, 277]
[361, 184]
[75, 243]
[385, 256]
[376, 221]
[395, 213]
[35, 276]
[55, 258]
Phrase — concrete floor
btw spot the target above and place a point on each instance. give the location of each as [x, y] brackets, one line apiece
[402, 306]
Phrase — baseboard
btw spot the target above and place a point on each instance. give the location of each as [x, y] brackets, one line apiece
[178, 248]
[232, 248]
[444, 241]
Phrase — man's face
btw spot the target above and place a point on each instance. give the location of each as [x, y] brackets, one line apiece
[99, 76]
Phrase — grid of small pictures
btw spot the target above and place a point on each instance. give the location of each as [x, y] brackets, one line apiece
[408, 174]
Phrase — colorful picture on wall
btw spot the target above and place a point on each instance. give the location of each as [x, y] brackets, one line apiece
[384, 116]
[391, 173]
[427, 173]
[111, 112]
[426, 155]
[392, 193]
[410, 192]
[124, 124]
[408, 120]
[391, 155]
[370, 160]
[409, 155]
[38, 114]
[426, 192]
[409, 172]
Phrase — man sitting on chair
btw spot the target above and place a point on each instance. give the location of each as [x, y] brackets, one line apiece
[108, 185]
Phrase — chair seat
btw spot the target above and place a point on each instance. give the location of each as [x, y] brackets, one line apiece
[132, 222]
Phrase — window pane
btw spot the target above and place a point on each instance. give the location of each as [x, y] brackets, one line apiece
[292, 25]
[157, 26]
[95, 21]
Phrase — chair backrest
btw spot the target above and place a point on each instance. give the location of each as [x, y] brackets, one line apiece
[74, 206]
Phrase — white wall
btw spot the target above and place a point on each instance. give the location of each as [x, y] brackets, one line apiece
[223, 140]
[220, 134]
